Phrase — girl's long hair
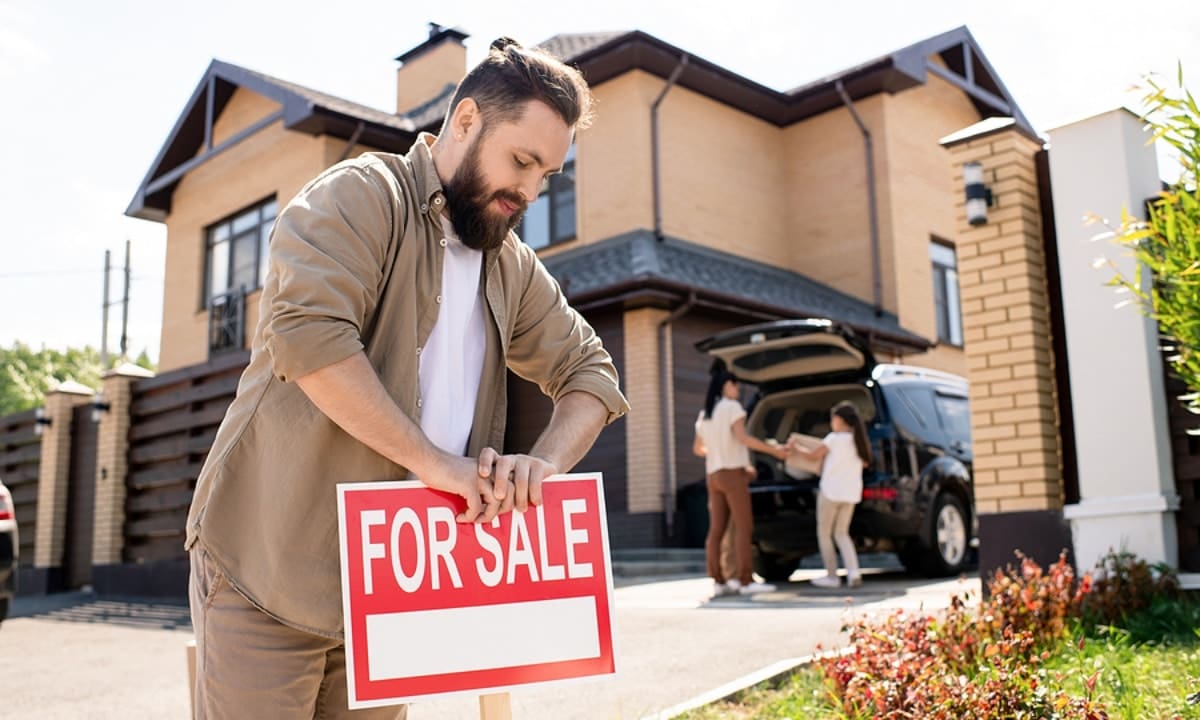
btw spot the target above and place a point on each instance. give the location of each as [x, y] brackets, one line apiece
[848, 412]
[716, 384]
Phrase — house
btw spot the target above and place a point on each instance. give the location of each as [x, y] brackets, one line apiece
[698, 201]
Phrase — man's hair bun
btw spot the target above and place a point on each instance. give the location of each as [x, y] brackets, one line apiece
[503, 43]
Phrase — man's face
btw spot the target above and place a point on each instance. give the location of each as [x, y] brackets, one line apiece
[502, 171]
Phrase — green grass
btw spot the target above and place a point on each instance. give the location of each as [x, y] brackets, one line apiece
[1136, 682]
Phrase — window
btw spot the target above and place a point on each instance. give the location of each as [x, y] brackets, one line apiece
[945, 293]
[236, 252]
[551, 218]
[955, 414]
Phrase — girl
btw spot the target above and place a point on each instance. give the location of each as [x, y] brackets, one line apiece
[722, 440]
[845, 451]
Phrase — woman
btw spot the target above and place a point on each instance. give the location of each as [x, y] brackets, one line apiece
[722, 440]
[843, 454]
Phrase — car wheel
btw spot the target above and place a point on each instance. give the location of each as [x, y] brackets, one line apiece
[949, 540]
[774, 567]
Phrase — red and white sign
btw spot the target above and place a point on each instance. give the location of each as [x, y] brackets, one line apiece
[434, 607]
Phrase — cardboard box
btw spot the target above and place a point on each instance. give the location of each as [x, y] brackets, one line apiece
[798, 467]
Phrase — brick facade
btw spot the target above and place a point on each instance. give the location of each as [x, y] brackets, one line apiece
[643, 425]
[54, 473]
[112, 465]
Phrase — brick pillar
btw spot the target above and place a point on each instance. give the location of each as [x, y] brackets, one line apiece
[645, 470]
[112, 464]
[1007, 334]
[53, 475]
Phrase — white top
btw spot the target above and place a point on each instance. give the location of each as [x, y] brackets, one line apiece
[451, 362]
[841, 473]
[723, 449]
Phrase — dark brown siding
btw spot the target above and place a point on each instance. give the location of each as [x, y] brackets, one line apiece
[81, 500]
[529, 411]
[20, 462]
[173, 420]
[1185, 454]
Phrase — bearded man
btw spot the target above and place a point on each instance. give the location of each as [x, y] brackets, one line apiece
[396, 299]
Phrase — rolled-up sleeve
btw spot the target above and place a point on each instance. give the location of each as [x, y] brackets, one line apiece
[553, 346]
[325, 265]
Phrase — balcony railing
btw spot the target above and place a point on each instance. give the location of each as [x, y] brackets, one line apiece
[227, 322]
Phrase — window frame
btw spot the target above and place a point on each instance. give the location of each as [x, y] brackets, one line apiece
[554, 199]
[227, 222]
[943, 314]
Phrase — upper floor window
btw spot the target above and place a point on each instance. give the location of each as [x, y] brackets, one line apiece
[236, 251]
[551, 218]
[945, 293]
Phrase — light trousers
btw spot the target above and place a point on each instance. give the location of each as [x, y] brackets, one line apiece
[833, 526]
[250, 665]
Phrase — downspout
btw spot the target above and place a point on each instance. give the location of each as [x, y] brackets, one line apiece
[654, 161]
[664, 398]
[876, 269]
[358, 131]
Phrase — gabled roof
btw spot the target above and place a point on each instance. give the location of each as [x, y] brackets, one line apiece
[302, 109]
[635, 267]
[606, 55]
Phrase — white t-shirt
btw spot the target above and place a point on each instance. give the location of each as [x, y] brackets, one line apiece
[841, 473]
[724, 450]
[451, 362]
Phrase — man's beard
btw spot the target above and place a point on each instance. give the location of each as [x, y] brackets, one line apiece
[467, 198]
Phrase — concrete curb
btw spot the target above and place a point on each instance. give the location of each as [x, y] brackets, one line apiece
[770, 672]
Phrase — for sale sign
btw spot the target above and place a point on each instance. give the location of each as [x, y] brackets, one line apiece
[433, 606]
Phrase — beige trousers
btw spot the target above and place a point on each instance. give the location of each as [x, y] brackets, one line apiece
[249, 665]
[833, 526]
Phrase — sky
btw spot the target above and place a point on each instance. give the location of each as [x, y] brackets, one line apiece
[89, 91]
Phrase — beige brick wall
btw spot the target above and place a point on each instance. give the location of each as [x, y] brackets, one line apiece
[53, 475]
[643, 426]
[1002, 274]
[424, 76]
[282, 161]
[112, 465]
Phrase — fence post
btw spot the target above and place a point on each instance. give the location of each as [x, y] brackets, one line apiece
[112, 465]
[52, 485]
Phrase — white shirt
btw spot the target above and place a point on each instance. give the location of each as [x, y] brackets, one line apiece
[451, 362]
[722, 449]
[841, 473]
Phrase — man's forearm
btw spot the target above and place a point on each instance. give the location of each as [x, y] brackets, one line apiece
[350, 394]
[575, 424]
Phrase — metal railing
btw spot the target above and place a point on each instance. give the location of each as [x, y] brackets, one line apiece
[227, 322]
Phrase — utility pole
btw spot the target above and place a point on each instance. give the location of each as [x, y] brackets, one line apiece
[104, 323]
[125, 309]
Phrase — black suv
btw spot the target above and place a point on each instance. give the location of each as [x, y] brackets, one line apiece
[918, 497]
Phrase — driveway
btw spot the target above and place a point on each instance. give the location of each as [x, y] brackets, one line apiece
[75, 656]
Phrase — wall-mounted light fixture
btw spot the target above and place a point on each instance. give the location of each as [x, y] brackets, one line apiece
[40, 421]
[979, 198]
[99, 406]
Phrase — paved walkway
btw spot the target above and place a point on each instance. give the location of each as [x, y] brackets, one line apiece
[75, 656]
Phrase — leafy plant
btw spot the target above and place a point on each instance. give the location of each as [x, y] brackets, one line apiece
[1166, 280]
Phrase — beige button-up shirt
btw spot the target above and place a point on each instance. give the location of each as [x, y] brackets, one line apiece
[356, 264]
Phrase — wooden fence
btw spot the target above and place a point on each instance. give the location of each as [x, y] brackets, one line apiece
[173, 420]
[20, 462]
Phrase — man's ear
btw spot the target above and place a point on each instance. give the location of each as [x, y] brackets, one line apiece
[464, 118]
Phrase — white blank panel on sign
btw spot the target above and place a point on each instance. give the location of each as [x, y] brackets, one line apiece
[409, 644]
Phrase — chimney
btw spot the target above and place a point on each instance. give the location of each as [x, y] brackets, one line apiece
[427, 69]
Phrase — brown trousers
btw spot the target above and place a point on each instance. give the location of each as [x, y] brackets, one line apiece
[729, 498]
[249, 665]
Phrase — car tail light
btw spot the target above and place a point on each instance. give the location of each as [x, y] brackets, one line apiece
[6, 507]
[888, 494]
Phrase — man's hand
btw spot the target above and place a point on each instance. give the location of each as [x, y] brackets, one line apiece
[512, 480]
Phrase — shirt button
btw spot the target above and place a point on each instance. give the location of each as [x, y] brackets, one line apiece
[418, 351]
[424, 207]
[438, 299]
[442, 242]
[418, 402]
[437, 200]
